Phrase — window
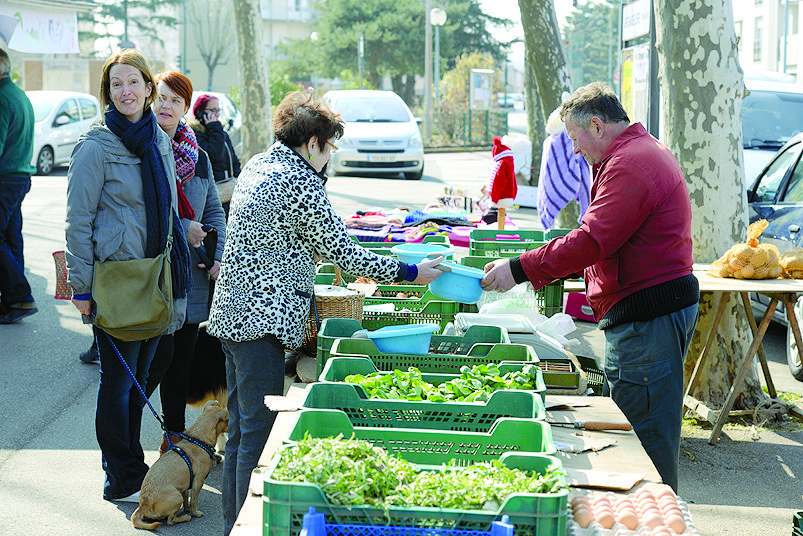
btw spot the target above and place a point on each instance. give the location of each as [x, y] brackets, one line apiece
[771, 180]
[88, 108]
[69, 110]
[794, 191]
[757, 37]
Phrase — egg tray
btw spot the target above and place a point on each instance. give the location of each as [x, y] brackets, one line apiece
[595, 529]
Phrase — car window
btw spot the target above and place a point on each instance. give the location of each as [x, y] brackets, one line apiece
[769, 183]
[70, 110]
[372, 110]
[42, 105]
[794, 190]
[88, 108]
[771, 116]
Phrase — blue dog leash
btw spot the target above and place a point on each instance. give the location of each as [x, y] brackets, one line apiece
[170, 446]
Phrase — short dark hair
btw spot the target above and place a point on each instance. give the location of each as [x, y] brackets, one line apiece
[594, 100]
[5, 64]
[300, 117]
[178, 83]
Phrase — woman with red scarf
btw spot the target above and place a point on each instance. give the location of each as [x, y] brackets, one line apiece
[199, 209]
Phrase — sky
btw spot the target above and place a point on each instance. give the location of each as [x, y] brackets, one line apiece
[509, 9]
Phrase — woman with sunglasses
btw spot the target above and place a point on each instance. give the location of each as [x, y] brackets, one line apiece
[280, 223]
[213, 139]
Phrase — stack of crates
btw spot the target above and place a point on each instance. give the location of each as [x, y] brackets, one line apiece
[487, 245]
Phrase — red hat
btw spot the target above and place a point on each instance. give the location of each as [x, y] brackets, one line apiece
[503, 176]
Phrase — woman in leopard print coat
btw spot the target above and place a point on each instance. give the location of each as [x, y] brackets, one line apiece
[280, 221]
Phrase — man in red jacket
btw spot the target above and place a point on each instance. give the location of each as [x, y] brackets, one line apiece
[634, 249]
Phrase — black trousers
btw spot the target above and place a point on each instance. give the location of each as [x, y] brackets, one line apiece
[170, 368]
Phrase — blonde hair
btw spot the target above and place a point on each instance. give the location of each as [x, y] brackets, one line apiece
[132, 57]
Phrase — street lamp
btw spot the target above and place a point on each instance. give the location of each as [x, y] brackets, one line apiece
[437, 17]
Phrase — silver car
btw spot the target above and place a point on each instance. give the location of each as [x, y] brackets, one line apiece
[60, 118]
[381, 135]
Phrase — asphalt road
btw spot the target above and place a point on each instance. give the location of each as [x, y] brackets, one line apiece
[50, 467]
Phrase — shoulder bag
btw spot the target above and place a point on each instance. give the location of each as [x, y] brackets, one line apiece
[225, 187]
[134, 299]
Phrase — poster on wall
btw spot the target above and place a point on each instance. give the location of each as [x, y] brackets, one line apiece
[39, 30]
[635, 82]
[480, 89]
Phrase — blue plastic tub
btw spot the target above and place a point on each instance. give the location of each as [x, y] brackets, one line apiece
[404, 339]
[458, 283]
[416, 252]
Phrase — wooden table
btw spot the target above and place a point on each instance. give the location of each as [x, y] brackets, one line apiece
[626, 455]
[784, 291]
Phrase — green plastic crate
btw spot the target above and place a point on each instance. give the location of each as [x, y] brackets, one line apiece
[476, 261]
[337, 368]
[409, 311]
[555, 233]
[559, 373]
[421, 414]
[480, 353]
[337, 328]
[432, 448]
[543, 514]
[797, 523]
[504, 243]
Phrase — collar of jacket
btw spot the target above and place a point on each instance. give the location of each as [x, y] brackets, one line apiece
[280, 144]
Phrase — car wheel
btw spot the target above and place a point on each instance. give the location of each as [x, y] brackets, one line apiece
[44, 162]
[792, 355]
[414, 175]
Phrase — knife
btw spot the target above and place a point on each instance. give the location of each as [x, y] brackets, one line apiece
[595, 425]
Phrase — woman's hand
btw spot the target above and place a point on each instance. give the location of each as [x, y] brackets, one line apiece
[84, 306]
[196, 234]
[498, 276]
[427, 273]
[214, 271]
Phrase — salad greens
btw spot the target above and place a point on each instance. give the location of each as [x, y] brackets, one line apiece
[354, 472]
[475, 383]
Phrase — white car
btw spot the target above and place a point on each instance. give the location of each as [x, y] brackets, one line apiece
[771, 114]
[60, 118]
[381, 134]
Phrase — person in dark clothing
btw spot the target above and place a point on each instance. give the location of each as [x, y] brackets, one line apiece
[16, 153]
[217, 144]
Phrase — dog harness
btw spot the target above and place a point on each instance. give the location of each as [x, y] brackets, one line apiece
[178, 450]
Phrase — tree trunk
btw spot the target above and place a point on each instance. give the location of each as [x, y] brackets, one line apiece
[701, 101]
[549, 74]
[254, 87]
[210, 78]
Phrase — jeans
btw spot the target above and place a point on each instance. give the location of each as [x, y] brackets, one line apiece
[118, 418]
[644, 366]
[14, 286]
[170, 368]
[253, 369]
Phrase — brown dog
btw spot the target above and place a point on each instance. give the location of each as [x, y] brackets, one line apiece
[167, 485]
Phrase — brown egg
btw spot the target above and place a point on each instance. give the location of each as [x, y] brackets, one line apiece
[652, 519]
[676, 523]
[583, 517]
[625, 502]
[672, 510]
[601, 500]
[605, 519]
[666, 499]
[628, 518]
[579, 499]
[665, 491]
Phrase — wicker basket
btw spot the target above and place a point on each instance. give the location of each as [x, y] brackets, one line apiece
[332, 302]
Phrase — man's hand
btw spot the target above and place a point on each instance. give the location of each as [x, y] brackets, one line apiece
[427, 273]
[498, 276]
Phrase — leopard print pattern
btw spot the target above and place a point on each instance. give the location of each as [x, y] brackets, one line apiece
[278, 217]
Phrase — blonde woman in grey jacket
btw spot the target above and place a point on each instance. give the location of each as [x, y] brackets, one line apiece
[280, 221]
[121, 205]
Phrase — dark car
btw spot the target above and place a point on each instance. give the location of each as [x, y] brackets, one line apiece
[776, 195]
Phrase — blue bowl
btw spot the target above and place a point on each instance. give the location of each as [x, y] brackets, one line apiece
[458, 283]
[417, 252]
[408, 339]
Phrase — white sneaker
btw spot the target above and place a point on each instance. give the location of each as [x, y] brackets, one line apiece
[133, 498]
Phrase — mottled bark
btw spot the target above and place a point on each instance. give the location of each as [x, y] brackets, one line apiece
[548, 75]
[254, 87]
[701, 101]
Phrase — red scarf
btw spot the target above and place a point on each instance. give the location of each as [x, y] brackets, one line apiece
[185, 151]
